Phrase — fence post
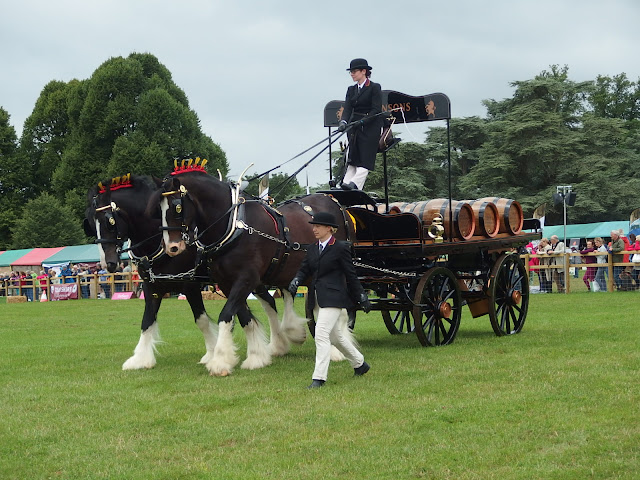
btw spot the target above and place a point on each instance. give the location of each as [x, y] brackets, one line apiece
[610, 282]
[567, 278]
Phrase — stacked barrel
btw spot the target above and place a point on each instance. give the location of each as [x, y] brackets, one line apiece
[485, 217]
[511, 216]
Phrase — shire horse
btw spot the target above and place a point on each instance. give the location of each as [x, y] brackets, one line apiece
[118, 212]
[244, 242]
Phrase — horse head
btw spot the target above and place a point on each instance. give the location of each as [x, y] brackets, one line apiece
[115, 214]
[184, 216]
[103, 221]
[179, 212]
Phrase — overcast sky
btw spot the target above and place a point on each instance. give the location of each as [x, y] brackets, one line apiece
[259, 73]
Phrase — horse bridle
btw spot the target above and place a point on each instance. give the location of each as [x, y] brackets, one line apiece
[235, 215]
[114, 222]
[177, 207]
[113, 225]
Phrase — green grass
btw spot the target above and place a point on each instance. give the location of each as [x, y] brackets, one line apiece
[558, 401]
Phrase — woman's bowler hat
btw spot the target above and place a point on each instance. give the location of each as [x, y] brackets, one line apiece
[358, 64]
[324, 218]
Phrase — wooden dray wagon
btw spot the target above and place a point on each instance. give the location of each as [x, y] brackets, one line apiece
[423, 275]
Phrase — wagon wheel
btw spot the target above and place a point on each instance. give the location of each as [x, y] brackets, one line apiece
[437, 308]
[397, 321]
[508, 291]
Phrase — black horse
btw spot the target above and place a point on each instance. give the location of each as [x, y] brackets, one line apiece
[119, 212]
[245, 243]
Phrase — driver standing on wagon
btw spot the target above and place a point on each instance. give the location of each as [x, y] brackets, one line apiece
[334, 287]
[363, 101]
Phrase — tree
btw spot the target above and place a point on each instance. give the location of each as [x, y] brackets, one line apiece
[129, 117]
[46, 222]
[10, 195]
[534, 140]
[467, 136]
[412, 174]
[45, 136]
[615, 97]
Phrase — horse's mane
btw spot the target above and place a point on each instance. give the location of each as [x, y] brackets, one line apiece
[123, 181]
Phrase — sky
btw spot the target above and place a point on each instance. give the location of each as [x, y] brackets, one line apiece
[259, 73]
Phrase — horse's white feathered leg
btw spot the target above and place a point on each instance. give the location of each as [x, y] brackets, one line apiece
[258, 352]
[144, 353]
[210, 333]
[293, 326]
[224, 355]
[279, 344]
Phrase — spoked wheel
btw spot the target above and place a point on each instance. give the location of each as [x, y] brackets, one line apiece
[438, 307]
[508, 291]
[398, 321]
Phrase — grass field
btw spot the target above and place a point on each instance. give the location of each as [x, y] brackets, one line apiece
[561, 400]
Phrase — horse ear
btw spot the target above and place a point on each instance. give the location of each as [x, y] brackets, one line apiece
[157, 181]
[170, 184]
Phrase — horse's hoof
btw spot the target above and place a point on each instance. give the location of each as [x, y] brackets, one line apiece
[134, 363]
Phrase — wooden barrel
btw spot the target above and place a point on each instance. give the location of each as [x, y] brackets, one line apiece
[462, 226]
[486, 217]
[510, 213]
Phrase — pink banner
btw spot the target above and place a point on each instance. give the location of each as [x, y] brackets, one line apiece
[122, 296]
[64, 291]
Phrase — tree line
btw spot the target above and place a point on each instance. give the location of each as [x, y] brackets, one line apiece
[552, 132]
[130, 117]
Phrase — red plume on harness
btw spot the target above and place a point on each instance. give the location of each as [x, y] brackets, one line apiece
[189, 165]
[116, 183]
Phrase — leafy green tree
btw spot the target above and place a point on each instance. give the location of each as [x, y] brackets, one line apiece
[45, 135]
[10, 191]
[607, 179]
[615, 97]
[467, 137]
[534, 140]
[129, 117]
[46, 222]
[410, 173]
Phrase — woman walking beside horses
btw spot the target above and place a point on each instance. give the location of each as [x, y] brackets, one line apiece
[334, 287]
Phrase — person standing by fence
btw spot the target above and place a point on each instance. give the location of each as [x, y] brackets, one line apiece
[590, 275]
[544, 273]
[601, 261]
[617, 245]
[558, 251]
[42, 282]
[634, 245]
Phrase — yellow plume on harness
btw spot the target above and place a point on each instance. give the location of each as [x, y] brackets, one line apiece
[353, 220]
[189, 165]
